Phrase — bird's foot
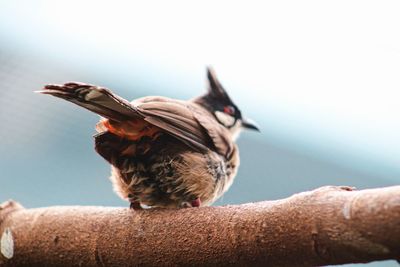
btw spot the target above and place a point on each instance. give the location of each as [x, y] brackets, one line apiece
[193, 204]
[196, 203]
[135, 205]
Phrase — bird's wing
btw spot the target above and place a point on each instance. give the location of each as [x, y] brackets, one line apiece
[189, 120]
[176, 118]
[181, 119]
[220, 136]
[96, 99]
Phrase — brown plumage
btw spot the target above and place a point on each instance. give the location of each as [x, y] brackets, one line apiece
[164, 152]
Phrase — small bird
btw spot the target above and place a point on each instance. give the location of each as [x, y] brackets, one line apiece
[164, 152]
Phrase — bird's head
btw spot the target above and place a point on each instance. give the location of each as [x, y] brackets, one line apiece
[221, 106]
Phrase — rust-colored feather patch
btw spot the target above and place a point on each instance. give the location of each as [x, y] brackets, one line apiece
[132, 129]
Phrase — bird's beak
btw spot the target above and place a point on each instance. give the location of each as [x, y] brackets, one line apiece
[250, 124]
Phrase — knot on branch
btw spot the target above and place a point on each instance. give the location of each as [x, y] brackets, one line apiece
[8, 207]
[328, 191]
[333, 188]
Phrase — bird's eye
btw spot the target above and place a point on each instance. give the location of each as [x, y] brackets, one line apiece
[229, 110]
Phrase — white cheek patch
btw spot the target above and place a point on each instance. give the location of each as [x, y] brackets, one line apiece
[225, 119]
[235, 131]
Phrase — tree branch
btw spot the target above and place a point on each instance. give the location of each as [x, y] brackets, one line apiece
[330, 225]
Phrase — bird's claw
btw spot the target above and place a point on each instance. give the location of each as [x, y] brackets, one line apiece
[135, 205]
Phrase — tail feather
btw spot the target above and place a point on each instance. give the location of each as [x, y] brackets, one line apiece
[96, 99]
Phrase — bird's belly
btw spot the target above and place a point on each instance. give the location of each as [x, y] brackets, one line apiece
[174, 179]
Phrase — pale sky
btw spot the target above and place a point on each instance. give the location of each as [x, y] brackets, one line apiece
[324, 74]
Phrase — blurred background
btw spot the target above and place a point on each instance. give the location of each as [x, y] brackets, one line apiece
[321, 78]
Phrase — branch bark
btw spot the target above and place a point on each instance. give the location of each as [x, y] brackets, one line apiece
[330, 225]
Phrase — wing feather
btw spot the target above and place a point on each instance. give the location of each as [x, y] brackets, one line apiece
[176, 118]
[185, 120]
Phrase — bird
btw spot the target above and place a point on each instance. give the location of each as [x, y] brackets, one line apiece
[164, 152]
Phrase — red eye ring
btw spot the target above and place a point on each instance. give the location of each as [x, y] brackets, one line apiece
[229, 110]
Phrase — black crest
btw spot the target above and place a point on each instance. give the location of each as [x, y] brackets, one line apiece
[215, 88]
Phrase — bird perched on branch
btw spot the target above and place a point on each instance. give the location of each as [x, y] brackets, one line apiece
[164, 152]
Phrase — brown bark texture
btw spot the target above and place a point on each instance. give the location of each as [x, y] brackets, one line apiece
[329, 225]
